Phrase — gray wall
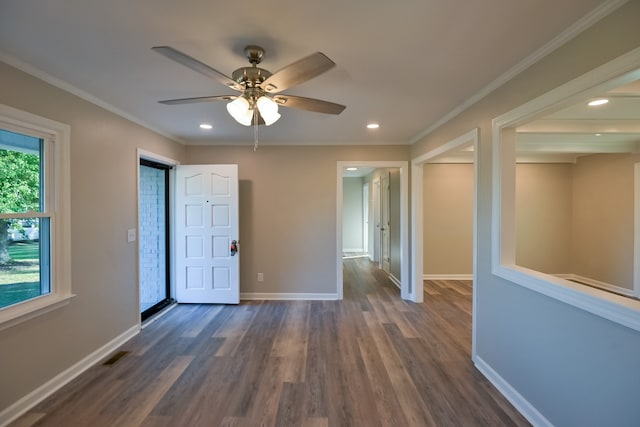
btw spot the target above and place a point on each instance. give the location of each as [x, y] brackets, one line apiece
[575, 368]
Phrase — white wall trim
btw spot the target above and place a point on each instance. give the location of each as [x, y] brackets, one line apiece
[290, 296]
[405, 288]
[636, 231]
[616, 308]
[47, 389]
[59, 135]
[448, 277]
[573, 31]
[511, 394]
[357, 250]
[597, 284]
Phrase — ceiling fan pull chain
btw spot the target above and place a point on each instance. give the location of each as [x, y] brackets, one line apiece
[255, 129]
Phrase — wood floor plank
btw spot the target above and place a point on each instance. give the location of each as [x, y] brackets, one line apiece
[137, 410]
[388, 407]
[290, 405]
[403, 386]
[315, 422]
[369, 360]
[292, 341]
[234, 329]
[195, 328]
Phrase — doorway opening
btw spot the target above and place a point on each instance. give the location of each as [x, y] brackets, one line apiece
[154, 253]
[460, 151]
[362, 219]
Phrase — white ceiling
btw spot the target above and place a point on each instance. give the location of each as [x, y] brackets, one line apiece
[404, 64]
[581, 129]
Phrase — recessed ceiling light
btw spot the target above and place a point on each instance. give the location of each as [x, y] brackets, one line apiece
[206, 126]
[597, 102]
[352, 169]
[598, 134]
[373, 126]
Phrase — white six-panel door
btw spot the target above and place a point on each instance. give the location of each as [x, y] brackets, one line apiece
[206, 226]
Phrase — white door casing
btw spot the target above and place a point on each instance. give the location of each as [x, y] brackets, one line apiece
[385, 223]
[206, 226]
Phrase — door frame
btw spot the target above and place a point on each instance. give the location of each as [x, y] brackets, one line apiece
[384, 228]
[365, 218]
[405, 280]
[158, 158]
[417, 242]
[636, 230]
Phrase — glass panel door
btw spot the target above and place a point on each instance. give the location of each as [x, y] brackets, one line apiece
[154, 237]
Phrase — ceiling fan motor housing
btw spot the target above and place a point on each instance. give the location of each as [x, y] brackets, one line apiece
[250, 76]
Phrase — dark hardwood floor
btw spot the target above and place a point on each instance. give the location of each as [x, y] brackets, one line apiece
[369, 360]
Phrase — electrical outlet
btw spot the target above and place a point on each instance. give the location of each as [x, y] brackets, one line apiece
[131, 235]
[260, 277]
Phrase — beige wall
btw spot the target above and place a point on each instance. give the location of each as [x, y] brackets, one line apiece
[559, 358]
[288, 211]
[448, 219]
[603, 199]
[103, 264]
[543, 217]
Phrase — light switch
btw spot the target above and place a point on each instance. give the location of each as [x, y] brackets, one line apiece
[131, 235]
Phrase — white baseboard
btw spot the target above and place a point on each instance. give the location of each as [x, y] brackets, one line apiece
[447, 277]
[27, 402]
[355, 256]
[511, 394]
[597, 284]
[287, 296]
[358, 250]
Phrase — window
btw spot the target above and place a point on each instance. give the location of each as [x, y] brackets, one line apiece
[564, 193]
[34, 216]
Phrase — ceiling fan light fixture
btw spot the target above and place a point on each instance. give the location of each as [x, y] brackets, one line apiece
[268, 110]
[240, 110]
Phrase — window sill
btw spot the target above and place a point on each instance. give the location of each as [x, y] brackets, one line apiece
[618, 309]
[21, 312]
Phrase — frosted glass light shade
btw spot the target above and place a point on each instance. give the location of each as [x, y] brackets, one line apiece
[240, 110]
[268, 110]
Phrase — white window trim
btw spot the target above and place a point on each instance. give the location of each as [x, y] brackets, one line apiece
[624, 311]
[60, 294]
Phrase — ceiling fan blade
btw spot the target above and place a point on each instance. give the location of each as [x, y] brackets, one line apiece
[198, 99]
[195, 65]
[298, 72]
[309, 104]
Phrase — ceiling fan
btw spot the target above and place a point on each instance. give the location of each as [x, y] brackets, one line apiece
[260, 89]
